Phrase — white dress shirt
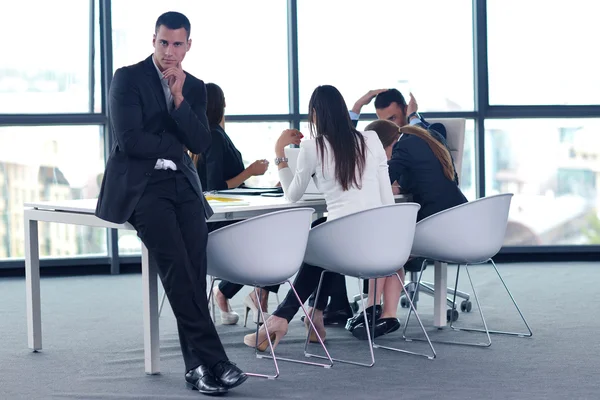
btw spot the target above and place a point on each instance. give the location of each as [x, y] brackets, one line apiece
[162, 163]
[375, 190]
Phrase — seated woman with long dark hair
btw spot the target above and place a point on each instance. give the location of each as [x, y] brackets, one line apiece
[350, 169]
[222, 167]
[422, 166]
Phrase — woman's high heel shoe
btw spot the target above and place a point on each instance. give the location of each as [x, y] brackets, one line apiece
[229, 317]
[249, 304]
[319, 325]
[278, 328]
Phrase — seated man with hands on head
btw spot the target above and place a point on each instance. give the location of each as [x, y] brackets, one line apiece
[391, 105]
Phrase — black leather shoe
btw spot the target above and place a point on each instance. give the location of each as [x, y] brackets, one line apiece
[359, 319]
[383, 326]
[202, 380]
[228, 374]
[337, 317]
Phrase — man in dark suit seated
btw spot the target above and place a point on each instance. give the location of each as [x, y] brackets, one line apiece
[157, 111]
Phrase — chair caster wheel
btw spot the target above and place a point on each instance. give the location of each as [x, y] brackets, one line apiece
[451, 315]
[404, 303]
[466, 306]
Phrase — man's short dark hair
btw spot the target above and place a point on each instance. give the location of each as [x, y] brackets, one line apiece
[384, 99]
[174, 20]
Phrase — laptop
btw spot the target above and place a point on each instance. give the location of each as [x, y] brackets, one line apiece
[311, 191]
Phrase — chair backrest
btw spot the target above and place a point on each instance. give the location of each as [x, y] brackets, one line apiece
[260, 251]
[455, 138]
[469, 233]
[367, 244]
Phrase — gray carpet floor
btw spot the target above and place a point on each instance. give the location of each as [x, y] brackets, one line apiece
[93, 345]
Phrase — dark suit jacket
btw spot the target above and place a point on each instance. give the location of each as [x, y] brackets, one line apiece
[145, 131]
[221, 161]
[420, 173]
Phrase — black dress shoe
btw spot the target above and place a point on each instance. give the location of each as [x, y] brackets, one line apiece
[202, 380]
[337, 317]
[383, 326]
[359, 318]
[228, 374]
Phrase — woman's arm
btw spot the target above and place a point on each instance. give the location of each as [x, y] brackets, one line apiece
[294, 183]
[215, 159]
[258, 167]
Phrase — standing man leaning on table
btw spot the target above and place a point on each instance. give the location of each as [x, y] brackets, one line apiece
[157, 110]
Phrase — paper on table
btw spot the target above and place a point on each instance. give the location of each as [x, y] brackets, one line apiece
[225, 201]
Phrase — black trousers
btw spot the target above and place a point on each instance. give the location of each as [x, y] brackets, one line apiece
[227, 288]
[170, 221]
[337, 292]
[306, 282]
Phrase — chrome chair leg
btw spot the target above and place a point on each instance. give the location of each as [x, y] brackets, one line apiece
[162, 302]
[272, 356]
[519, 334]
[262, 317]
[453, 303]
[412, 309]
[306, 343]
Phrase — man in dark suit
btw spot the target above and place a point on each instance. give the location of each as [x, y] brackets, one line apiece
[157, 111]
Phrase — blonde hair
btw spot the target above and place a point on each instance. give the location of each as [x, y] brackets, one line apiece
[389, 132]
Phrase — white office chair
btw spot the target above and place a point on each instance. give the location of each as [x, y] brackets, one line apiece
[369, 244]
[455, 139]
[471, 233]
[262, 251]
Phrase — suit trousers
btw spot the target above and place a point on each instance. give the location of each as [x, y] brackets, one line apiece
[170, 221]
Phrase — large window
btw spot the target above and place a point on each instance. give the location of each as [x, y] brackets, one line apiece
[553, 168]
[537, 53]
[45, 65]
[421, 46]
[49, 163]
[540, 52]
[238, 44]
[256, 141]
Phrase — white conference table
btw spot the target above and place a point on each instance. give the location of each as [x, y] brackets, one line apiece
[81, 212]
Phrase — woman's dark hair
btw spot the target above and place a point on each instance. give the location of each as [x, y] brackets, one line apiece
[215, 106]
[328, 118]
